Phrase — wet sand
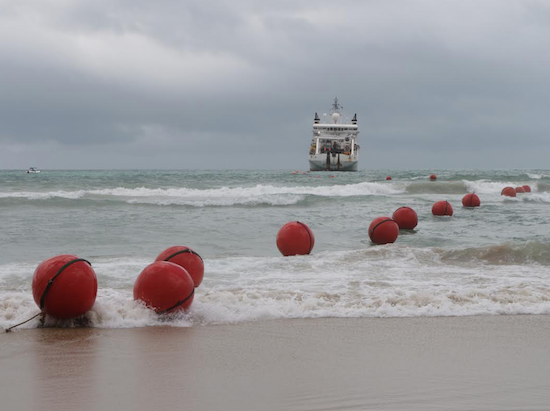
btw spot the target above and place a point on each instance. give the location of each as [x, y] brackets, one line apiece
[451, 363]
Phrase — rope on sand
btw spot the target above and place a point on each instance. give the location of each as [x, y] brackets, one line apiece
[17, 325]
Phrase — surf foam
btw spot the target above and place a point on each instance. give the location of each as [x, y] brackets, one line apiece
[385, 281]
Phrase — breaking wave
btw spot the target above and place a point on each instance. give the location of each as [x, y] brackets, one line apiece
[536, 176]
[381, 281]
[225, 196]
[462, 187]
[502, 254]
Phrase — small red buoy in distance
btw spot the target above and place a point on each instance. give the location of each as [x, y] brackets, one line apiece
[433, 177]
[64, 286]
[527, 189]
[406, 218]
[442, 208]
[388, 178]
[520, 190]
[164, 287]
[295, 238]
[383, 230]
[471, 200]
[508, 192]
[186, 258]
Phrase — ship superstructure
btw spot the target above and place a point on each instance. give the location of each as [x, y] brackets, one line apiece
[334, 144]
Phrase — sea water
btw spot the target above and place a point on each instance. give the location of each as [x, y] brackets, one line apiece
[494, 259]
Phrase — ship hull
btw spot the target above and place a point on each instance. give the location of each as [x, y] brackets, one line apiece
[333, 162]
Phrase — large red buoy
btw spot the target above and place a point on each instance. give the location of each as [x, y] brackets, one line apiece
[383, 230]
[527, 189]
[64, 286]
[388, 178]
[187, 258]
[406, 218]
[508, 191]
[433, 177]
[295, 238]
[520, 190]
[442, 208]
[164, 287]
[471, 200]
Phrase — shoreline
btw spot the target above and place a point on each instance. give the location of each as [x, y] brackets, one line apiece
[415, 363]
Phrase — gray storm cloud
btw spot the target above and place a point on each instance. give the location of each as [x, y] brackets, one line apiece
[135, 84]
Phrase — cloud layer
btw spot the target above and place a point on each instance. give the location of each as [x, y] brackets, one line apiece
[135, 84]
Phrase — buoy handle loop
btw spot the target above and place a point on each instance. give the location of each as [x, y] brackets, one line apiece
[376, 226]
[178, 303]
[50, 282]
[185, 250]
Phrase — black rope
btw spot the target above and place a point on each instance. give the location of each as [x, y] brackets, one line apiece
[446, 204]
[309, 235]
[26, 321]
[49, 285]
[178, 303]
[185, 250]
[376, 226]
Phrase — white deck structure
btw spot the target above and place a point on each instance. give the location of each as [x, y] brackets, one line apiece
[334, 145]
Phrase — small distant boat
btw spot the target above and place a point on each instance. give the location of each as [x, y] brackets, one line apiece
[33, 170]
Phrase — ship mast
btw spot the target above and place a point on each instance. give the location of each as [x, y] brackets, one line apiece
[336, 106]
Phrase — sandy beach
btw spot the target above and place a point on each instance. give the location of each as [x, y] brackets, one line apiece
[454, 363]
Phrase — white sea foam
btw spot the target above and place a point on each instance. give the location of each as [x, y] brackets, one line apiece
[488, 187]
[536, 176]
[536, 197]
[37, 195]
[388, 281]
[263, 194]
[224, 196]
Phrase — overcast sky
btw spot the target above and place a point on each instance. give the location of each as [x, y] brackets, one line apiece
[235, 84]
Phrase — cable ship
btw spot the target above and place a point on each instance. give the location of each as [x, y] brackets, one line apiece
[334, 144]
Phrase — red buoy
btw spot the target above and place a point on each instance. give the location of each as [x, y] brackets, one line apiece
[383, 230]
[64, 286]
[471, 200]
[295, 238]
[508, 191]
[433, 177]
[406, 218]
[388, 177]
[527, 189]
[520, 190]
[164, 287]
[186, 258]
[442, 208]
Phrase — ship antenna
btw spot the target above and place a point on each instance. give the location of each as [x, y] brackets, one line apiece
[335, 105]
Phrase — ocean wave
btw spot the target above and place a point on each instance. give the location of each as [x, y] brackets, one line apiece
[543, 197]
[460, 187]
[437, 187]
[117, 309]
[502, 254]
[488, 187]
[224, 196]
[537, 176]
[259, 195]
[37, 195]
[386, 281]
